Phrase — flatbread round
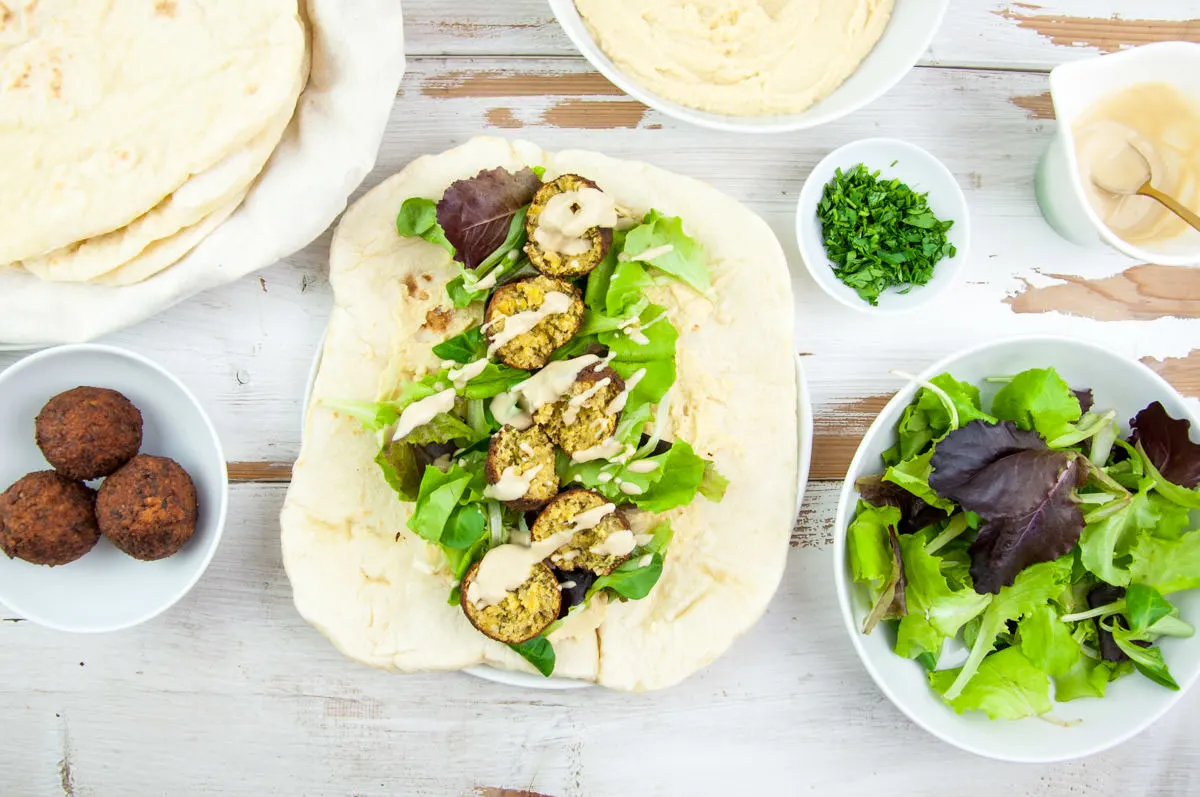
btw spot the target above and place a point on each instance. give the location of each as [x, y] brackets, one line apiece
[375, 589]
[107, 108]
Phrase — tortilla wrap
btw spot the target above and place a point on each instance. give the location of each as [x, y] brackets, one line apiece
[374, 588]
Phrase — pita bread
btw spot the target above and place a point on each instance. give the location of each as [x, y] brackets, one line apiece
[107, 108]
[374, 589]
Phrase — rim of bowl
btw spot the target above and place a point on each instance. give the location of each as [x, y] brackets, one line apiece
[898, 401]
[1062, 72]
[14, 370]
[572, 23]
[951, 267]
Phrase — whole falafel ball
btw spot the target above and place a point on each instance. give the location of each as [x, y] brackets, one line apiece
[148, 508]
[89, 432]
[48, 520]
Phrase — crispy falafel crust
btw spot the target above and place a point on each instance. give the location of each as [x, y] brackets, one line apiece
[148, 508]
[88, 432]
[592, 424]
[522, 614]
[556, 264]
[504, 451]
[532, 350]
[46, 519]
[559, 514]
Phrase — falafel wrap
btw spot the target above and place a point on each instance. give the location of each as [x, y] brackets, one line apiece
[554, 425]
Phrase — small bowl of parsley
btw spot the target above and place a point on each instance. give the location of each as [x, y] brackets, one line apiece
[883, 226]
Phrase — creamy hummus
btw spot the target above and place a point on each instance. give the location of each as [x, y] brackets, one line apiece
[739, 57]
[1147, 130]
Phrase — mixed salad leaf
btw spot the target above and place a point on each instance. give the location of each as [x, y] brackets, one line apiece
[1032, 536]
[440, 464]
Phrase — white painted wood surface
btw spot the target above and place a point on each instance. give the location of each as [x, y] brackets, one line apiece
[232, 693]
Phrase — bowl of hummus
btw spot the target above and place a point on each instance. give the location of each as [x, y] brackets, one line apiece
[753, 65]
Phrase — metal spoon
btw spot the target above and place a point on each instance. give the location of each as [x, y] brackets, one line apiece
[1130, 174]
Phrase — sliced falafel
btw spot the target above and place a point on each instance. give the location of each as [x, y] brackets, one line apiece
[88, 432]
[523, 614]
[590, 547]
[148, 508]
[559, 264]
[523, 451]
[580, 420]
[47, 519]
[531, 349]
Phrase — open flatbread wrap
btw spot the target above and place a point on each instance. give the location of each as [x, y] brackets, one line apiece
[379, 591]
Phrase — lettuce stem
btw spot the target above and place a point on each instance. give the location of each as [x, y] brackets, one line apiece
[951, 410]
[1100, 611]
[957, 525]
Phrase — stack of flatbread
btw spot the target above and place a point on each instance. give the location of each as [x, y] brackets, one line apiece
[131, 129]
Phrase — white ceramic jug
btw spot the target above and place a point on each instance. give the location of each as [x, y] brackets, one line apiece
[1075, 88]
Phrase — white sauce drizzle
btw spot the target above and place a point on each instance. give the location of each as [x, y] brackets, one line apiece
[604, 363]
[552, 382]
[576, 403]
[512, 484]
[619, 543]
[487, 282]
[506, 567]
[591, 518]
[525, 448]
[621, 399]
[633, 330]
[507, 413]
[604, 477]
[650, 254]
[567, 585]
[642, 466]
[609, 449]
[629, 488]
[645, 560]
[461, 376]
[567, 216]
[422, 412]
[554, 303]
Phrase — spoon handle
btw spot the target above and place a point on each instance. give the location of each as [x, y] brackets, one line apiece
[1171, 204]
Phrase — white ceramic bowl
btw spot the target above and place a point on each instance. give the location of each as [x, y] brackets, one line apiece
[923, 173]
[804, 429]
[907, 37]
[1092, 725]
[106, 590]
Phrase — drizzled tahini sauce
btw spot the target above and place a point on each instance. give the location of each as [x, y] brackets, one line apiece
[567, 216]
[618, 403]
[591, 518]
[610, 449]
[649, 254]
[422, 412]
[642, 466]
[619, 543]
[516, 407]
[507, 413]
[512, 484]
[517, 324]
[461, 376]
[507, 567]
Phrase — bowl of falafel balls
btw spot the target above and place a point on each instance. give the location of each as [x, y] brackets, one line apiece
[114, 489]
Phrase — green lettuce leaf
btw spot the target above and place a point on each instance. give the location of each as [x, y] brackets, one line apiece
[684, 260]
[466, 526]
[1038, 399]
[656, 356]
[538, 652]
[1032, 588]
[868, 545]
[1006, 686]
[595, 294]
[1166, 565]
[927, 419]
[465, 347]
[418, 219]
[913, 475]
[1047, 642]
[1087, 677]
[436, 501]
[626, 288]
[929, 594]
[1106, 545]
[1148, 660]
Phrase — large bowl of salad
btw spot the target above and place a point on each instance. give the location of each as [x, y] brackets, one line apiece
[1016, 549]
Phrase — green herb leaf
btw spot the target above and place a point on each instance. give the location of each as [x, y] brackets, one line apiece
[465, 347]
[683, 259]
[1148, 661]
[437, 498]
[418, 219]
[631, 581]
[538, 652]
[880, 233]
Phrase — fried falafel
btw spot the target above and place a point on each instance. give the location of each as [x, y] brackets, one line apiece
[523, 614]
[148, 508]
[559, 264]
[531, 349]
[522, 452]
[89, 432]
[47, 519]
[581, 419]
[602, 539]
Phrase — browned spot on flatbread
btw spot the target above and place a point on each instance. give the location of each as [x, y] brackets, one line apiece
[415, 291]
[837, 433]
[1182, 372]
[502, 118]
[427, 277]
[1139, 293]
[1036, 106]
[56, 82]
[518, 84]
[165, 8]
[6, 16]
[595, 114]
[438, 320]
[1108, 35]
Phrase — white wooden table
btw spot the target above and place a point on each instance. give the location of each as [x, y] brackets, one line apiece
[232, 693]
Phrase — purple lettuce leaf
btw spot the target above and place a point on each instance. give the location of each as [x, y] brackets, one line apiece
[1167, 445]
[892, 603]
[476, 213]
[1023, 490]
[915, 514]
[1087, 399]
